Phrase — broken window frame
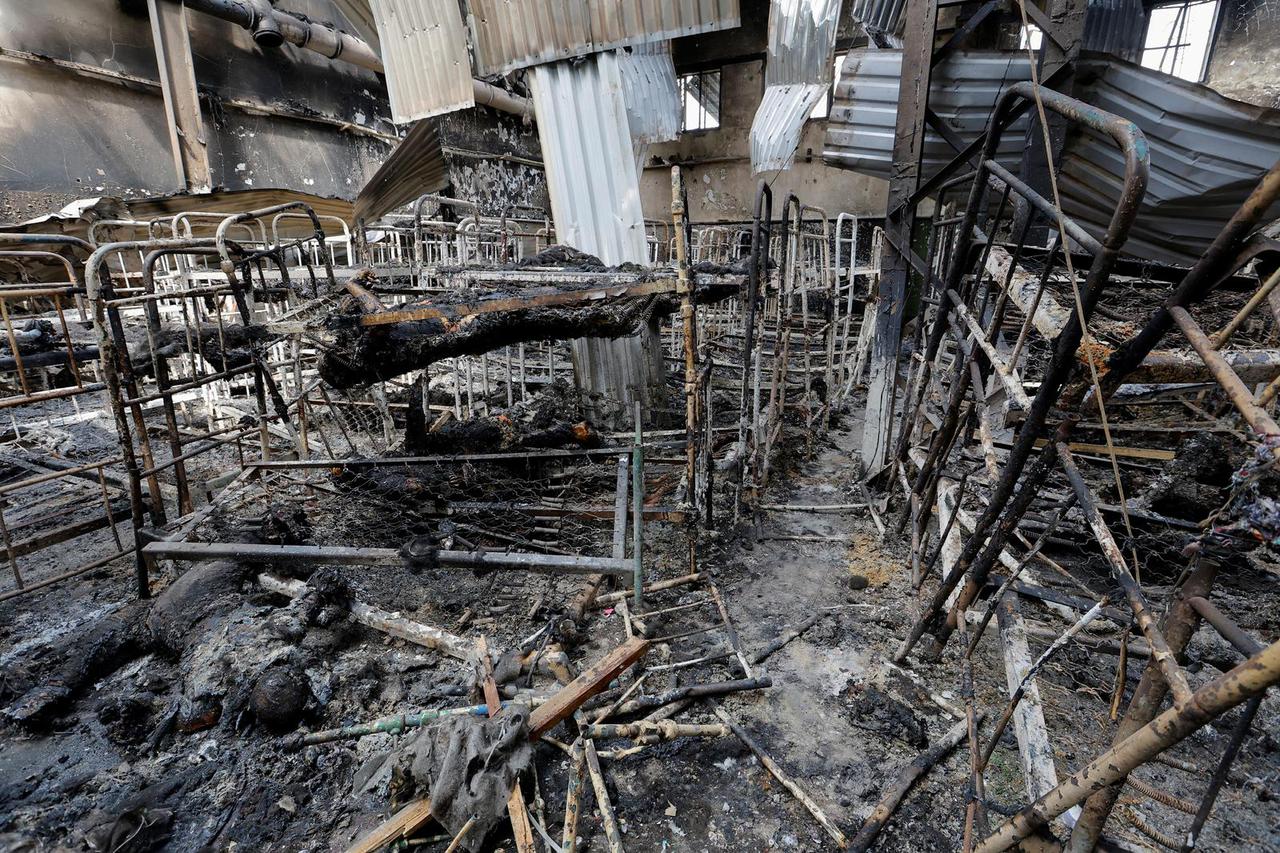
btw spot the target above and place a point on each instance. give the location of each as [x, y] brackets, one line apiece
[692, 100]
[1170, 56]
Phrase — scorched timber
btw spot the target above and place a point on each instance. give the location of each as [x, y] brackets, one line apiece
[370, 346]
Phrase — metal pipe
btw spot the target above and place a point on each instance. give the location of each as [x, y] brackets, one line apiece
[265, 29]
[1246, 645]
[271, 28]
[1178, 626]
[1230, 631]
[1255, 415]
[1260, 295]
[1165, 657]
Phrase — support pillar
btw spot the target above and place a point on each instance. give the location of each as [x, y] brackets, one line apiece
[900, 217]
[169, 33]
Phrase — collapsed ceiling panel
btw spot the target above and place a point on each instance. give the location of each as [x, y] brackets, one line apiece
[416, 166]
[1207, 154]
[424, 49]
[649, 88]
[511, 34]
[802, 36]
[1207, 151]
[778, 123]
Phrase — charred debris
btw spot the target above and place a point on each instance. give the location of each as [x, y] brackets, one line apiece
[544, 479]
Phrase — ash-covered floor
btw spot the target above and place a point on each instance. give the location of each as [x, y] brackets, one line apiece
[120, 754]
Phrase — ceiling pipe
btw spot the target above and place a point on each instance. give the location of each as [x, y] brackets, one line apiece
[271, 27]
[266, 32]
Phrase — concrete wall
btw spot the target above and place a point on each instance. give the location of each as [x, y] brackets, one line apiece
[67, 134]
[717, 164]
[490, 157]
[1247, 54]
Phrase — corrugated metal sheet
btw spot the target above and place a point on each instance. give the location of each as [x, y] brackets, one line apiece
[416, 166]
[424, 49]
[883, 16]
[589, 161]
[802, 36]
[964, 88]
[75, 218]
[650, 90]
[1207, 151]
[1207, 154]
[779, 121]
[511, 34]
[1118, 27]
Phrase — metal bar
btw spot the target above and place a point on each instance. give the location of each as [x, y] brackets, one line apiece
[1120, 573]
[637, 512]
[908, 150]
[343, 556]
[983, 547]
[1241, 398]
[1260, 295]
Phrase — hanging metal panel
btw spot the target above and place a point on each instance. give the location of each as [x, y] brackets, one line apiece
[779, 121]
[883, 16]
[1118, 27]
[589, 161]
[802, 35]
[416, 166]
[650, 90]
[511, 34]
[963, 90]
[424, 50]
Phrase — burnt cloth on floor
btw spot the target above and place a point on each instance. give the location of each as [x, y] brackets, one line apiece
[469, 766]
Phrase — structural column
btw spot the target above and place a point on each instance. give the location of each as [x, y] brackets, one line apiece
[908, 147]
[181, 98]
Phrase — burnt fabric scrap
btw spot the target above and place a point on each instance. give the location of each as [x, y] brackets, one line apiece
[468, 767]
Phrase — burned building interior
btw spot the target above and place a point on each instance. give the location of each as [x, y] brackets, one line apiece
[588, 425]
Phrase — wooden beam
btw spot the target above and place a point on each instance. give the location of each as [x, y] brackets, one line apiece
[593, 680]
[181, 98]
[540, 298]
[402, 824]
[1034, 749]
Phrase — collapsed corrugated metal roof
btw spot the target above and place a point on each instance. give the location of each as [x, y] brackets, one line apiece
[650, 90]
[1207, 154]
[964, 88]
[802, 36]
[511, 34]
[1110, 26]
[416, 166]
[1118, 27]
[590, 165]
[424, 49]
[1207, 151]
